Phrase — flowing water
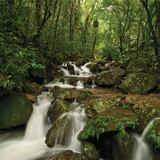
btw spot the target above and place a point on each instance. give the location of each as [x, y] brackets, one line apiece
[82, 71]
[32, 145]
[60, 84]
[74, 123]
[141, 148]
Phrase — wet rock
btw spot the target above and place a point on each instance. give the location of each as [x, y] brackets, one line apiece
[56, 129]
[85, 80]
[32, 98]
[67, 155]
[70, 68]
[58, 107]
[94, 67]
[140, 83]
[89, 150]
[15, 110]
[109, 78]
[59, 93]
[107, 117]
[146, 107]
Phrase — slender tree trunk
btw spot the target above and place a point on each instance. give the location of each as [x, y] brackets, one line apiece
[70, 21]
[51, 24]
[153, 32]
[56, 27]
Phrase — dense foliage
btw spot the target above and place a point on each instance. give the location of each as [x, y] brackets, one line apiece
[34, 32]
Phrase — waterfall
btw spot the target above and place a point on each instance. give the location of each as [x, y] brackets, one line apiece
[60, 84]
[80, 85]
[93, 84]
[141, 148]
[32, 145]
[68, 133]
[82, 71]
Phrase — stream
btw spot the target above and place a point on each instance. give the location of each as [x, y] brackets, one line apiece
[30, 145]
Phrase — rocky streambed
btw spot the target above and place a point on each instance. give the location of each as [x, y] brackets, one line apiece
[118, 101]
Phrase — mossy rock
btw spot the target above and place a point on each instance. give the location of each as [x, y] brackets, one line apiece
[15, 110]
[154, 134]
[59, 93]
[101, 104]
[112, 119]
[58, 107]
[67, 155]
[140, 83]
[89, 150]
[145, 113]
[59, 125]
[109, 78]
[139, 65]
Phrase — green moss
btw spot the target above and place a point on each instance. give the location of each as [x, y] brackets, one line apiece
[138, 83]
[101, 124]
[145, 113]
[15, 110]
[154, 135]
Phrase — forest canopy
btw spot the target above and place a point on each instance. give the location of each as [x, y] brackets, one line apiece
[37, 33]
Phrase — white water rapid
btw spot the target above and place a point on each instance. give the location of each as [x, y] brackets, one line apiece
[82, 71]
[32, 145]
[79, 72]
[74, 122]
[60, 84]
[141, 148]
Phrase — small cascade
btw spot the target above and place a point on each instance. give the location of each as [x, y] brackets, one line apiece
[65, 71]
[75, 103]
[38, 119]
[68, 133]
[80, 85]
[141, 148]
[82, 71]
[64, 84]
[93, 84]
[32, 145]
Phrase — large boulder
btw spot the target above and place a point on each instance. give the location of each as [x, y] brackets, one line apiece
[68, 155]
[110, 78]
[15, 110]
[140, 83]
[107, 116]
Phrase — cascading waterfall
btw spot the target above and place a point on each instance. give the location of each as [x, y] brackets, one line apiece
[32, 145]
[141, 148]
[80, 85]
[60, 84]
[82, 71]
[73, 124]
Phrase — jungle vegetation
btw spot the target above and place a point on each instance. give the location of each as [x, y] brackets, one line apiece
[36, 33]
